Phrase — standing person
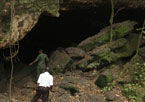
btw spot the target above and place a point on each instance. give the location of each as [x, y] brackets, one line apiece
[44, 85]
[42, 61]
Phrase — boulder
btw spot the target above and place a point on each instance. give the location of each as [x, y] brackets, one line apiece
[75, 52]
[103, 80]
[119, 30]
[108, 53]
[130, 47]
[59, 59]
[83, 63]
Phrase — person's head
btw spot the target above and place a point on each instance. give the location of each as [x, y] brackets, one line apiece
[47, 69]
[40, 51]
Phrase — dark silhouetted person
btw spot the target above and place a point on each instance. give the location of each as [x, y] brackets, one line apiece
[44, 85]
[42, 61]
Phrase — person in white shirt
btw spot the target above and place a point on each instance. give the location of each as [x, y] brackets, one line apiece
[44, 84]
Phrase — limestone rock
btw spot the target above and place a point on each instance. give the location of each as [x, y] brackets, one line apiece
[75, 52]
[82, 64]
[108, 53]
[119, 31]
[103, 80]
[25, 14]
[59, 60]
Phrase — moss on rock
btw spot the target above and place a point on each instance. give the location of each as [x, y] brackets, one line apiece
[103, 80]
[27, 11]
[130, 47]
[108, 53]
[58, 61]
[119, 30]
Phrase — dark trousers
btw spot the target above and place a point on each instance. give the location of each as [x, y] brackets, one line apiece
[41, 92]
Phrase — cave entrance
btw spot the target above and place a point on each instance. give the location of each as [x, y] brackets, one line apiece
[70, 28]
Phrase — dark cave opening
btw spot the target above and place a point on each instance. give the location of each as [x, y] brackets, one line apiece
[71, 28]
[65, 31]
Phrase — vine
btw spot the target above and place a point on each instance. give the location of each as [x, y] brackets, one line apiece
[111, 21]
[11, 53]
[113, 14]
[140, 37]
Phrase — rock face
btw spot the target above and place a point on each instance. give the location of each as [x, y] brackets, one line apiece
[19, 16]
[75, 52]
[98, 51]
[59, 60]
[22, 15]
[119, 31]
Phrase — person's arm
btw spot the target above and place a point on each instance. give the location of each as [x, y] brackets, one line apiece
[34, 61]
[51, 84]
[51, 88]
[36, 87]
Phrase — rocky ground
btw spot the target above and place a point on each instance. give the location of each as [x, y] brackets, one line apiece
[75, 86]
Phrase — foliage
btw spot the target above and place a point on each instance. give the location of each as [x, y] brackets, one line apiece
[130, 92]
[93, 65]
[107, 59]
[134, 91]
[109, 87]
[139, 73]
[140, 37]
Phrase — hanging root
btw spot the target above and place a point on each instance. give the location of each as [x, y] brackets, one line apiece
[14, 52]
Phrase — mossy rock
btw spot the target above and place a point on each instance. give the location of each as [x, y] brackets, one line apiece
[130, 46]
[71, 89]
[82, 64]
[103, 55]
[58, 61]
[27, 11]
[119, 30]
[93, 65]
[108, 53]
[103, 80]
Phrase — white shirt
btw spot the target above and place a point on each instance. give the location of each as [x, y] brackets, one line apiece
[45, 79]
